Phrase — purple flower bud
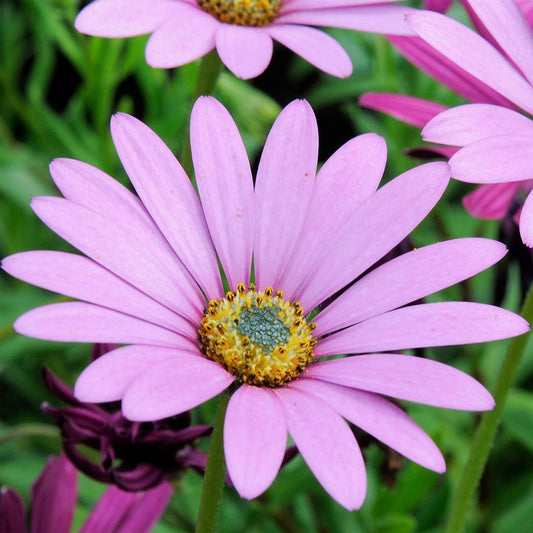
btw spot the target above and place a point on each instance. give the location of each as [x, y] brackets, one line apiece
[134, 456]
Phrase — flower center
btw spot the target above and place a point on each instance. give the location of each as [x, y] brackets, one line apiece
[257, 336]
[242, 12]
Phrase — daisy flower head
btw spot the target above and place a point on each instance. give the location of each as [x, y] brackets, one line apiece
[242, 31]
[286, 243]
[495, 137]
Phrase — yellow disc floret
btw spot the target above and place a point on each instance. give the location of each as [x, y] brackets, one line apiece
[259, 337]
[242, 12]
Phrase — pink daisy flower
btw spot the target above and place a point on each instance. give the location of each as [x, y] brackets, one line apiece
[152, 280]
[491, 201]
[242, 30]
[497, 141]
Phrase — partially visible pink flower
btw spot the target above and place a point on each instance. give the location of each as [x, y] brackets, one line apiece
[463, 75]
[152, 281]
[497, 141]
[54, 496]
[242, 31]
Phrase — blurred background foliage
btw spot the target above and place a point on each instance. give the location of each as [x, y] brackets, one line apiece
[58, 90]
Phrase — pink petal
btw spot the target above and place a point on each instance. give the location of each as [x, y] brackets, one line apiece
[255, 436]
[226, 187]
[187, 36]
[54, 495]
[81, 322]
[174, 386]
[526, 6]
[86, 185]
[246, 51]
[413, 111]
[124, 18]
[438, 5]
[78, 277]
[492, 201]
[119, 511]
[469, 123]
[496, 159]
[407, 278]
[482, 61]
[107, 515]
[382, 419]
[327, 445]
[510, 29]
[149, 507]
[526, 222]
[424, 325]
[107, 378]
[12, 511]
[407, 378]
[170, 198]
[375, 228]
[283, 190]
[447, 72]
[315, 46]
[118, 250]
[344, 182]
[374, 18]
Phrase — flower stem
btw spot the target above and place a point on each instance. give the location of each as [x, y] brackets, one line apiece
[210, 68]
[215, 473]
[486, 431]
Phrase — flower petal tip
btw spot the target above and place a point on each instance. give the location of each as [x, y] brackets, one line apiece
[251, 492]
[21, 325]
[440, 466]
[120, 118]
[526, 234]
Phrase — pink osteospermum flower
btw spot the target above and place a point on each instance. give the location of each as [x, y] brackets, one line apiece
[496, 141]
[491, 201]
[152, 281]
[242, 31]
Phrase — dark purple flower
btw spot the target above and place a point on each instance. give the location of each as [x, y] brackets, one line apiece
[133, 455]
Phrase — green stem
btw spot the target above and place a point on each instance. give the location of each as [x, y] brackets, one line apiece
[210, 68]
[215, 473]
[487, 428]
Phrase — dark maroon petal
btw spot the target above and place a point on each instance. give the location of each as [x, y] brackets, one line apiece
[83, 426]
[62, 391]
[107, 453]
[290, 454]
[54, 497]
[143, 477]
[100, 349]
[196, 459]
[178, 437]
[83, 464]
[12, 512]
[59, 389]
